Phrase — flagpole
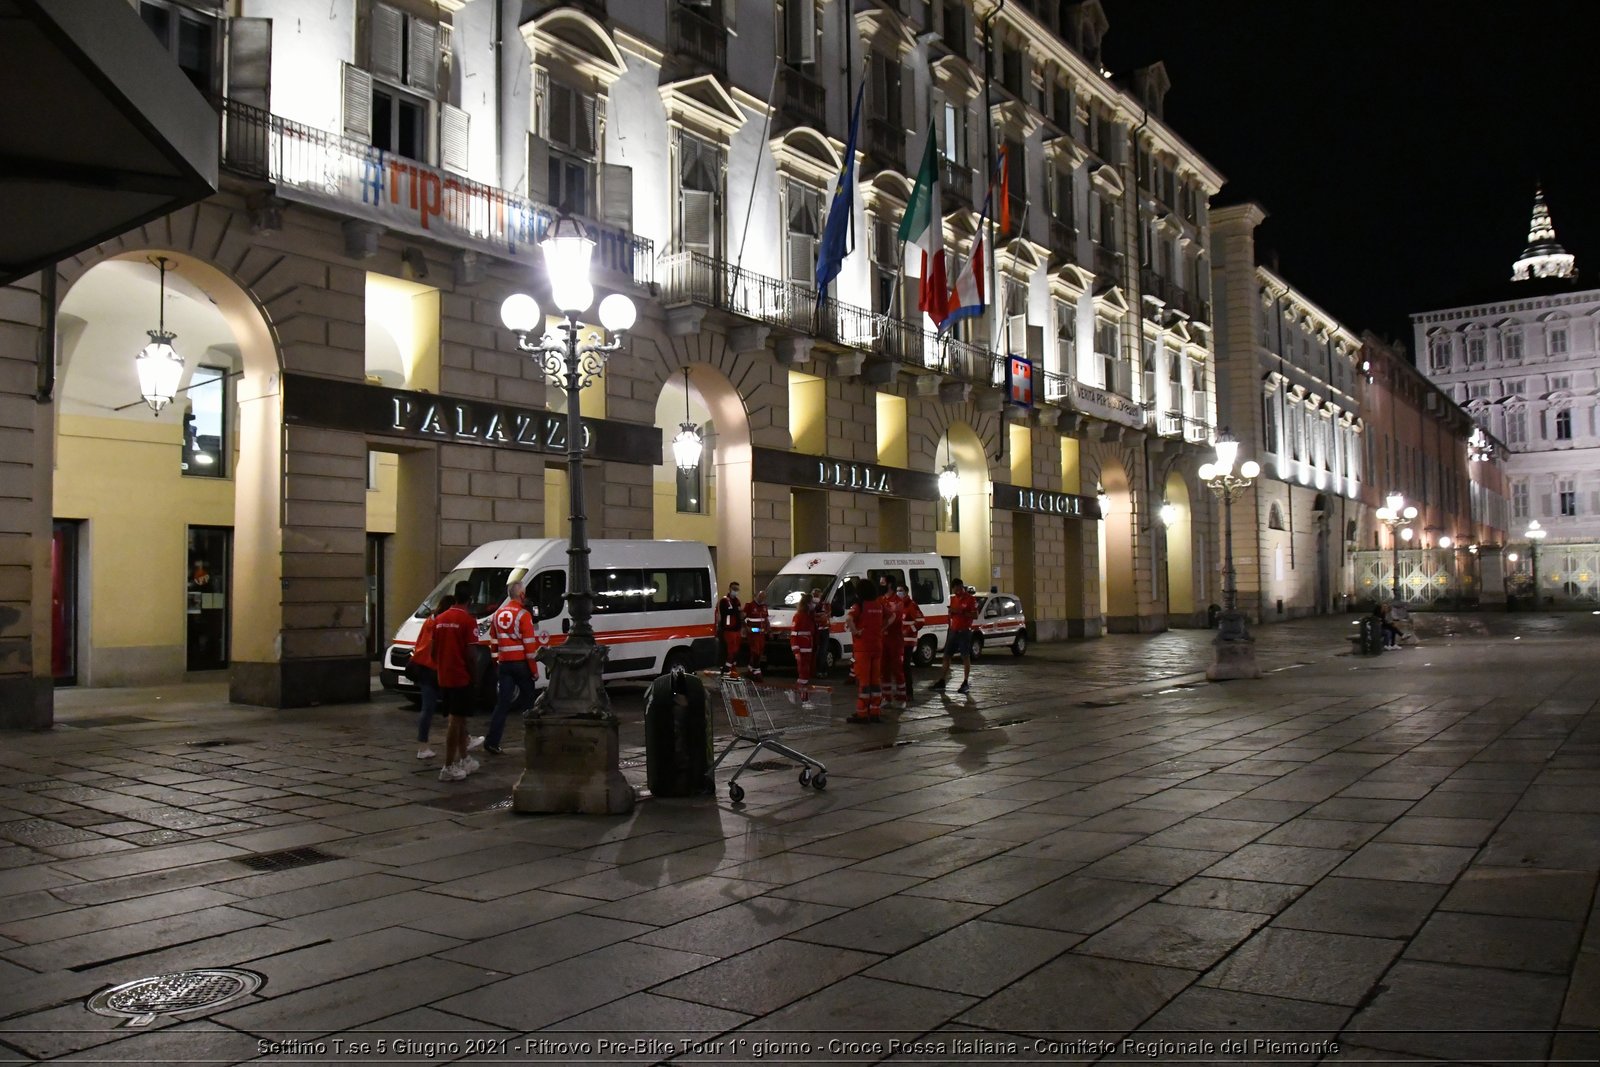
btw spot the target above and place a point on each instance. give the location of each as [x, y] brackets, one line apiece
[755, 176]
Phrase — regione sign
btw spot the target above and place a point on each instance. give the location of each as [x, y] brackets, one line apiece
[1044, 502]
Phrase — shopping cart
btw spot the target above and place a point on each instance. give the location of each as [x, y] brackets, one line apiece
[762, 714]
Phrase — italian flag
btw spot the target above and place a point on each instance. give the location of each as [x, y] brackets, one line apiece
[923, 227]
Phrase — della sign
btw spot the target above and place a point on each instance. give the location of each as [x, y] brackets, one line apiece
[820, 472]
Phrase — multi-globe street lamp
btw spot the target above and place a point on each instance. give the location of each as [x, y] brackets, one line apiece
[1397, 515]
[1535, 534]
[1235, 648]
[569, 765]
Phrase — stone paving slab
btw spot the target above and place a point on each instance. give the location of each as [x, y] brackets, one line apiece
[1345, 854]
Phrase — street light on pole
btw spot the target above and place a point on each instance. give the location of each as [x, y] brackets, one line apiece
[1535, 534]
[572, 743]
[1235, 648]
[1397, 515]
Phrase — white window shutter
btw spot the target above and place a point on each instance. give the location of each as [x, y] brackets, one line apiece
[696, 229]
[800, 18]
[454, 126]
[541, 103]
[588, 122]
[250, 61]
[357, 104]
[802, 261]
[422, 65]
[388, 30]
[616, 195]
[1016, 333]
[538, 169]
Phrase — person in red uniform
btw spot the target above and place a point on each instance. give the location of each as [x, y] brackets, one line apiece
[891, 674]
[865, 621]
[421, 669]
[963, 609]
[910, 626]
[454, 630]
[730, 627]
[513, 632]
[755, 632]
[810, 629]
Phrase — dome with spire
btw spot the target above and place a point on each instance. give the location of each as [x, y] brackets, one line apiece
[1544, 257]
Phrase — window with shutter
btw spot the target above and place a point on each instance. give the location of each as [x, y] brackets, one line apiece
[616, 195]
[422, 58]
[700, 185]
[454, 127]
[357, 104]
[695, 228]
[799, 32]
[804, 228]
[388, 40]
[538, 169]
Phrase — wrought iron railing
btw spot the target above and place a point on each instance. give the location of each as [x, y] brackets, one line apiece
[886, 142]
[956, 180]
[693, 278]
[1107, 263]
[801, 98]
[357, 179]
[1197, 430]
[1063, 241]
[699, 41]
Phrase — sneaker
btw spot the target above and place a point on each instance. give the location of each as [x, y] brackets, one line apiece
[474, 743]
[808, 705]
[468, 764]
[452, 773]
[962, 688]
[493, 750]
[425, 753]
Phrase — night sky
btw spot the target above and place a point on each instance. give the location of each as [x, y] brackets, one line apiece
[1395, 145]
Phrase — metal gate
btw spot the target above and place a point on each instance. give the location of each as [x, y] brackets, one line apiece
[1430, 578]
[1569, 575]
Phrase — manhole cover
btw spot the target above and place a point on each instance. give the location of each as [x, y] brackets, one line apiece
[142, 999]
[473, 803]
[285, 860]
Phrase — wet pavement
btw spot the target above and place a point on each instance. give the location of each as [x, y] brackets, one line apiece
[1097, 856]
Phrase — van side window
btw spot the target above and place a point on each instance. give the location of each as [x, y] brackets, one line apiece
[896, 577]
[926, 588]
[545, 593]
[844, 597]
[617, 591]
[677, 589]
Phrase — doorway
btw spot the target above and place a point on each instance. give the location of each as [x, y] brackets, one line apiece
[376, 642]
[206, 606]
[64, 602]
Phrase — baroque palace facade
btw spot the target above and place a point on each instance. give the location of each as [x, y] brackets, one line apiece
[353, 417]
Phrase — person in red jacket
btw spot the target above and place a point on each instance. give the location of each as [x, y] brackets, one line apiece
[454, 630]
[730, 627]
[755, 632]
[422, 669]
[513, 633]
[963, 609]
[865, 621]
[811, 621]
[891, 669]
[910, 626]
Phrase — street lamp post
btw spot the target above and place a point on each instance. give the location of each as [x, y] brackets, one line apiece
[1535, 534]
[1235, 649]
[571, 759]
[1397, 515]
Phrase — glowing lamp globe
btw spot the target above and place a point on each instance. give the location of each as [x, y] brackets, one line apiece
[1445, 541]
[1227, 453]
[567, 252]
[617, 313]
[1250, 469]
[1407, 534]
[949, 483]
[1410, 512]
[1169, 514]
[1396, 502]
[1207, 471]
[520, 313]
[160, 369]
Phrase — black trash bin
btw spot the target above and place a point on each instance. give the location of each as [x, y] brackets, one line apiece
[1371, 631]
[677, 737]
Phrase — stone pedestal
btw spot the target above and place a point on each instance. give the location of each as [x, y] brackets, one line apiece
[570, 764]
[570, 767]
[1235, 651]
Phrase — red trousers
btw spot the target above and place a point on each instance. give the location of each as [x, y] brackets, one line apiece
[758, 648]
[730, 641]
[869, 669]
[893, 675]
[802, 667]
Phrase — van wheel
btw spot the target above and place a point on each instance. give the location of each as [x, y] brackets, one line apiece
[830, 658]
[1019, 647]
[977, 646]
[677, 660]
[927, 649]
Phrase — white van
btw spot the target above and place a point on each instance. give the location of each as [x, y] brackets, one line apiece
[922, 575]
[653, 602]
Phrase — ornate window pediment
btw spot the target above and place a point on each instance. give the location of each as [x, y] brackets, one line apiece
[1106, 179]
[1020, 257]
[803, 153]
[1071, 279]
[1111, 301]
[703, 105]
[884, 30]
[1015, 118]
[570, 39]
[955, 78]
[1064, 152]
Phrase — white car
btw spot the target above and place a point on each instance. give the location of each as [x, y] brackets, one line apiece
[1000, 621]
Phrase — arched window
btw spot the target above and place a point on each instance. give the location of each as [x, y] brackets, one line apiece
[1275, 517]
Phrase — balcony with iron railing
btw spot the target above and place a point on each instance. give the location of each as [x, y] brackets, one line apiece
[1063, 242]
[696, 42]
[955, 179]
[1066, 392]
[886, 143]
[696, 279]
[313, 166]
[801, 100]
[1152, 284]
[1108, 263]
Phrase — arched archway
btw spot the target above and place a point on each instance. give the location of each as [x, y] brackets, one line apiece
[1180, 548]
[963, 530]
[1118, 598]
[181, 513]
[713, 502]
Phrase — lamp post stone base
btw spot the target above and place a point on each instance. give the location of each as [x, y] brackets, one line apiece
[1235, 656]
[571, 756]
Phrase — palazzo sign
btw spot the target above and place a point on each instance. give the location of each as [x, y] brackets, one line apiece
[1043, 502]
[819, 472]
[331, 404]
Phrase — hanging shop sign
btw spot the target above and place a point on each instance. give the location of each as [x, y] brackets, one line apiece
[1044, 502]
[1019, 381]
[777, 467]
[332, 404]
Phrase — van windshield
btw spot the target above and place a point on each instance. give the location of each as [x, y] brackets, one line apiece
[788, 590]
[486, 588]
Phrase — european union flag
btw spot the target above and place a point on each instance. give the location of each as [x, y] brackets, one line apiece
[836, 232]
